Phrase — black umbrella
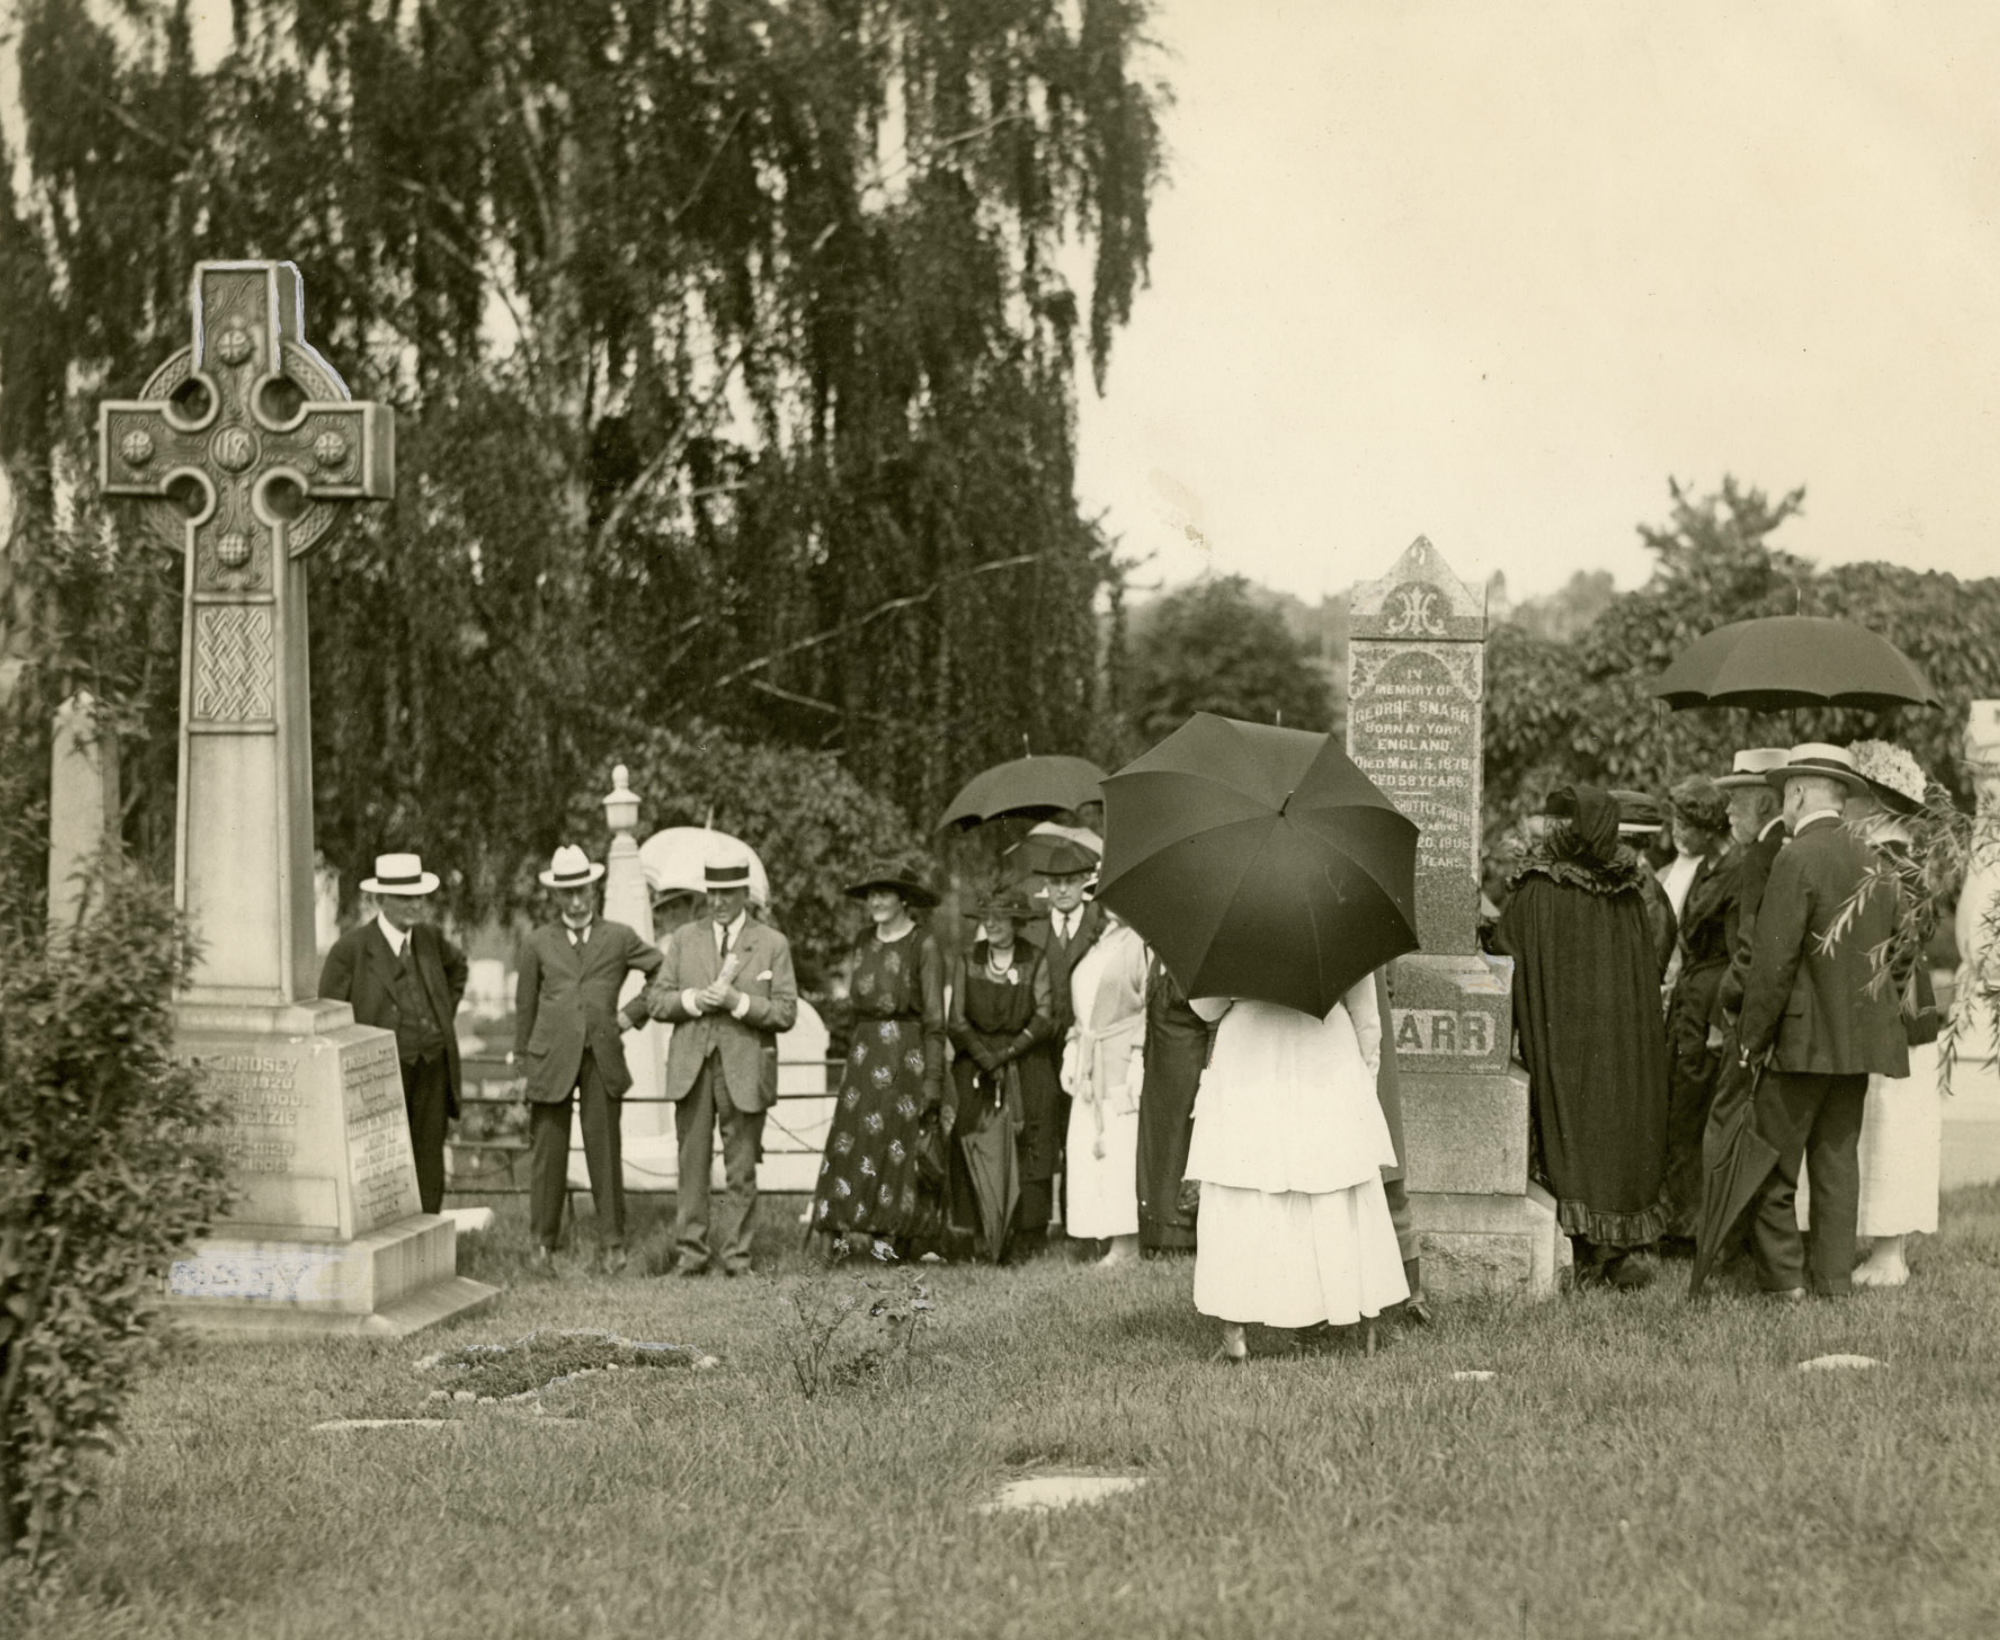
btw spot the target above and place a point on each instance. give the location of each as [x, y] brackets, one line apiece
[1259, 862]
[1782, 663]
[1027, 785]
[993, 1167]
[1736, 1160]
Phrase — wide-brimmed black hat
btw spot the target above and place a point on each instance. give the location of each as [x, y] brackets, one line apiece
[884, 874]
[1638, 812]
[1004, 902]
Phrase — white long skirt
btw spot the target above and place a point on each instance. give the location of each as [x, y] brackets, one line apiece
[1901, 1150]
[1902, 1138]
[1290, 1259]
[1102, 1191]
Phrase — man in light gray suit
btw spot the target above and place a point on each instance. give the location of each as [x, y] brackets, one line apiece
[728, 987]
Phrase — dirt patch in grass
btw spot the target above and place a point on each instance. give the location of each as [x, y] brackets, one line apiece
[542, 1360]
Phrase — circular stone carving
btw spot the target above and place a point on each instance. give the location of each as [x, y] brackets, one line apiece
[233, 449]
[232, 549]
[233, 345]
[136, 448]
[330, 450]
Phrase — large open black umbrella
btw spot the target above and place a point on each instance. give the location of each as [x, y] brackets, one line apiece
[1259, 862]
[1784, 663]
[1027, 785]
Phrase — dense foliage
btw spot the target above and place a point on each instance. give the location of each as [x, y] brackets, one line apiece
[733, 345]
[1584, 709]
[814, 826]
[104, 1178]
[1213, 647]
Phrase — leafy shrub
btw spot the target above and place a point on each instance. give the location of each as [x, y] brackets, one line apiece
[104, 1177]
[841, 1330]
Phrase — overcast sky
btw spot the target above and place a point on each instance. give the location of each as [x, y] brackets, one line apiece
[1491, 272]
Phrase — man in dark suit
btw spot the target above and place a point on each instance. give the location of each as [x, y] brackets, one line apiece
[728, 987]
[566, 1031]
[1067, 866]
[398, 972]
[1823, 1025]
[1757, 832]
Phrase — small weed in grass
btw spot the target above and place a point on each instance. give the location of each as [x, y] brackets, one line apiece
[841, 1330]
[529, 1365]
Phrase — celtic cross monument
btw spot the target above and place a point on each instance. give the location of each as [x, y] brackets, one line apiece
[242, 453]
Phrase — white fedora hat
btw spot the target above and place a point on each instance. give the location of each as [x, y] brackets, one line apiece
[1816, 757]
[400, 874]
[1750, 767]
[570, 868]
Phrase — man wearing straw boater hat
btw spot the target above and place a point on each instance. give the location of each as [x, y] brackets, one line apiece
[728, 987]
[1814, 1018]
[566, 1031]
[398, 972]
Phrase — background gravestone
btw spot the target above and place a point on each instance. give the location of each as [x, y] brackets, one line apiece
[1416, 686]
[243, 451]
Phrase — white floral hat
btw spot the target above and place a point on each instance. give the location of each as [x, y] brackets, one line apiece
[1895, 776]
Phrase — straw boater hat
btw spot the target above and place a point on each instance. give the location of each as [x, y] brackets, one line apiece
[1639, 813]
[570, 868]
[1818, 758]
[1751, 766]
[1892, 774]
[905, 883]
[728, 869]
[400, 874]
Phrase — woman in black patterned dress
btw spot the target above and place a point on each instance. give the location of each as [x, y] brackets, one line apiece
[870, 1188]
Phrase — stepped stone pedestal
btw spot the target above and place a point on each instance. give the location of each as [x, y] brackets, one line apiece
[1416, 681]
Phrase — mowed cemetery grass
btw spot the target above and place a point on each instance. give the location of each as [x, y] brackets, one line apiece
[1637, 1467]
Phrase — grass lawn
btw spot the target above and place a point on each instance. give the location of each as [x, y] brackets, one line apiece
[1637, 1468]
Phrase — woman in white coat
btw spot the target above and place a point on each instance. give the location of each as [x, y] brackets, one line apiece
[1103, 1072]
[1289, 1146]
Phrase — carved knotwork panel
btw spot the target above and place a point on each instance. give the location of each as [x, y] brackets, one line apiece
[235, 664]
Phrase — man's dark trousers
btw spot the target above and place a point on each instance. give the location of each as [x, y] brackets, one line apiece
[1817, 1118]
[696, 1116]
[427, 1100]
[548, 1159]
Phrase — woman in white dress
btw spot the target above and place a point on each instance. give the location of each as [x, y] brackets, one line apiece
[1902, 1120]
[1289, 1146]
[1103, 1072]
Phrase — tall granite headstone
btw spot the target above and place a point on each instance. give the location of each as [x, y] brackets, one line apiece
[83, 801]
[1416, 685]
[243, 452]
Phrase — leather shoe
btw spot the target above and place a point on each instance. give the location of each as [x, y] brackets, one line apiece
[690, 1270]
[1786, 1295]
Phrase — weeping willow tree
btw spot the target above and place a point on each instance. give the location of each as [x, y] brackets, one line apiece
[735, 347]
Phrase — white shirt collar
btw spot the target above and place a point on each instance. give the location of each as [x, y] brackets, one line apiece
[396, 937]
[733, 929]
[1811, 815]
[1774, 823]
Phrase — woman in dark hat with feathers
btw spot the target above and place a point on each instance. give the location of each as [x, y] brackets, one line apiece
[870, 1183]
[1587, 1005]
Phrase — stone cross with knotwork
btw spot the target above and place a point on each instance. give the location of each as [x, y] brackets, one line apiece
[246, 450]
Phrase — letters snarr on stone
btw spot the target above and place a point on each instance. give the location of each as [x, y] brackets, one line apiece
[243, 451]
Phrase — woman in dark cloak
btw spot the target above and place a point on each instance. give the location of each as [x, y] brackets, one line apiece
[1000, 1009]
[1587, 1005]
[1177, 1040]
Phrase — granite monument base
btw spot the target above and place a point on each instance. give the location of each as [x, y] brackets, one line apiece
[1508, 1245]
[325, 1235]
[383, 1284]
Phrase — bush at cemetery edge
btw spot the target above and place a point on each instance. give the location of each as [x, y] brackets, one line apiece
[104, 1177]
